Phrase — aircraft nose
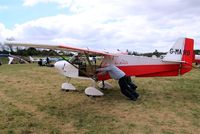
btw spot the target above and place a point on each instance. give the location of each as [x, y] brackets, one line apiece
[66, 69]
[60, 65]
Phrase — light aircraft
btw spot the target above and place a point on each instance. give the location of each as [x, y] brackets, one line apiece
[43, 61]
[177, 61]
[33, 60]
[12, 57]
[197, 60]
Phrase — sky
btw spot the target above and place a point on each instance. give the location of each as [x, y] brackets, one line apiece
[136, 25]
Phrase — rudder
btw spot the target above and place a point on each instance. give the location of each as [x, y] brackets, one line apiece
[187, 56]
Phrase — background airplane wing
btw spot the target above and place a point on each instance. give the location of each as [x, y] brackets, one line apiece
[57, 47]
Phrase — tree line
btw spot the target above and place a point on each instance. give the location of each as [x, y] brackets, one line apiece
[44, 52]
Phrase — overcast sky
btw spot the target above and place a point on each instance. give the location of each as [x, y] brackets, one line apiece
[137, 25]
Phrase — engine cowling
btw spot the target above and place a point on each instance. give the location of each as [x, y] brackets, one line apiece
[66, 69]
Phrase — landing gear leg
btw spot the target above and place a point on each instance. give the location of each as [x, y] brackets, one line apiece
[105, 85]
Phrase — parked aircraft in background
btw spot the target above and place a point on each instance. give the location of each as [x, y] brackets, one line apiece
[45, 61]
[197, 60]
[33, 60]
[12, 57]
[177, 61]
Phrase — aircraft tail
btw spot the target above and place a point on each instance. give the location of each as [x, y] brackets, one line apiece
[182, 52]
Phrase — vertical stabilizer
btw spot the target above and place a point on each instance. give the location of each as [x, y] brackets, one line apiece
[187, 57]
[176, 52]
[182, 52]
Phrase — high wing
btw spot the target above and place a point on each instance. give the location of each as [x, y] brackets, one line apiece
[57, 47]
[68, 68]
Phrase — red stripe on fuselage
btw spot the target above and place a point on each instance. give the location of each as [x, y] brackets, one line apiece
[147, 71]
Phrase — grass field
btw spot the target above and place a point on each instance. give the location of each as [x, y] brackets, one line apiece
[31, 102]
[4, 60]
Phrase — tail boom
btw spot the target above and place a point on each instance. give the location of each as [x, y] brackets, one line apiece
[178, 61]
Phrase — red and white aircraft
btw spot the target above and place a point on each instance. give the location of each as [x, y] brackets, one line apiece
[177, 61]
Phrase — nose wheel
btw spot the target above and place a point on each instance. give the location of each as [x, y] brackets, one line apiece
[89, 91]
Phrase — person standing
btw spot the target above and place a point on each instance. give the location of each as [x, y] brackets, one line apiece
[94, 60]
[47, 61]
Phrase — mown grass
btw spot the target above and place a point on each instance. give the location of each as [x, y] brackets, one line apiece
[32, 102]
[4, 60]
